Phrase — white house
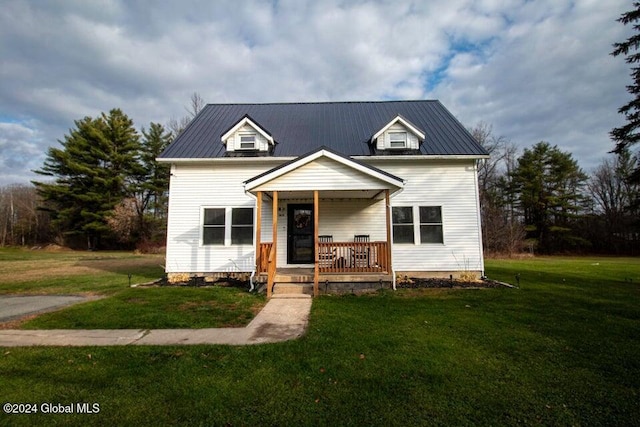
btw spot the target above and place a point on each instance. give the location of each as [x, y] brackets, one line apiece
[324, 193]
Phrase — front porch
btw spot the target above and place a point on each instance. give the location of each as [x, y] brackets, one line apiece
[350, 242]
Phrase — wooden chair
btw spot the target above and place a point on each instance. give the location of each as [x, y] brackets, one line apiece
[361, 253]
[326, 254]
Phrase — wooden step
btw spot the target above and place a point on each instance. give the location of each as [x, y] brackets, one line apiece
[293, 288]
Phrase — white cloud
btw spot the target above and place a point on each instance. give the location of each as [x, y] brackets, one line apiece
[536, 70]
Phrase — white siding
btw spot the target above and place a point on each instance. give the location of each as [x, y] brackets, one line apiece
[452, 185]
[191, 189]
[323, 174]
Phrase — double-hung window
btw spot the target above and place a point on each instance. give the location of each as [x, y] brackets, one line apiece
[242, 226]
[247, 141]
[224, 226]
[431, 224]
[402, 219]
[213, 226]
[397, 139]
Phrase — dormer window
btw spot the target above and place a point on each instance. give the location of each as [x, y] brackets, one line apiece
[399, 136]
[247, 141]
[397, 139]
[247, 138]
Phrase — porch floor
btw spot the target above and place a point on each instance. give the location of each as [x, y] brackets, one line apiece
[305, 275]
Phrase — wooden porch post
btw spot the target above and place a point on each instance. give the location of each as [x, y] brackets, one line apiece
[273, 254]
[315, 244]
[388, 217]
[258, 229]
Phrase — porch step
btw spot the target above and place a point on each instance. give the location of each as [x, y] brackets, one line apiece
[285, 288]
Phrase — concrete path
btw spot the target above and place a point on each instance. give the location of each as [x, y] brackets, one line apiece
[12, 307]
[284, 317]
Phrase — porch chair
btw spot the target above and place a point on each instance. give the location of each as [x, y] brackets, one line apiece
[361, 253]
[326, 254]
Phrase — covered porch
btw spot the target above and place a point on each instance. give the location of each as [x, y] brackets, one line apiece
[329, 216]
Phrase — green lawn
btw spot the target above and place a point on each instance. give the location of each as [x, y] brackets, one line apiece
[106, 274]
[564, 349]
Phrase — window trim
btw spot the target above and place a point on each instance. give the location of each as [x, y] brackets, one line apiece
[404, 140]
[228, 225]
[253, 142]
[441, 224]
[416, 224]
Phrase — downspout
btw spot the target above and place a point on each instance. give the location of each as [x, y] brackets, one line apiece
[253, 271]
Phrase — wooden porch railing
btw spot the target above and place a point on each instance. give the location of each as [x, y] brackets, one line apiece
[263, 260]
[353, 257]
[340, 257]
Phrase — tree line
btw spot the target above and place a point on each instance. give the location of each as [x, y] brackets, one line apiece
[102, 188]
[542, 201]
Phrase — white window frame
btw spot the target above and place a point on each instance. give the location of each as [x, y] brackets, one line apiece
[417, 237]
[228, 223]
[253, 143]
[404, 140]
[420, 224]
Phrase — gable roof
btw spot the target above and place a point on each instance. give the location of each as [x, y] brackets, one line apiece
[344, 127]
[294, 164]
[404, 122]
[247, 120]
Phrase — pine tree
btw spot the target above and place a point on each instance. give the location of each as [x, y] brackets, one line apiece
[548, 185]
[91, 174]
[629, 134]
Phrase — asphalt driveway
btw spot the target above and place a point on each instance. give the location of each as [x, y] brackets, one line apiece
[13, 307]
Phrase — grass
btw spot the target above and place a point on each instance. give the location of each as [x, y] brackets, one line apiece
[561, 350]
[107, 274]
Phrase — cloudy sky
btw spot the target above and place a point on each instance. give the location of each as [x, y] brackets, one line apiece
[535, 70]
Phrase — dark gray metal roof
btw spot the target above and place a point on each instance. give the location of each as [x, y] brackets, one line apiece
[344, 127]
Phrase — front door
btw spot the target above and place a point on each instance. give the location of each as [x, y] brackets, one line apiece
[300, 234]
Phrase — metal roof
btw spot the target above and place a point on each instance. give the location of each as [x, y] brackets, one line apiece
[344, 127]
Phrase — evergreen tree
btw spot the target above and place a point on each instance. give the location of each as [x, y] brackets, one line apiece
[91, 174]
[629, 134]
[548, 185]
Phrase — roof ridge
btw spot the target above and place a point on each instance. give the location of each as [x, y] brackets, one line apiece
[324, 102]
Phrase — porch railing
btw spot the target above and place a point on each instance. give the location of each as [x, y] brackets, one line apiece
[341, 257]
[353, 257]
[263, 264]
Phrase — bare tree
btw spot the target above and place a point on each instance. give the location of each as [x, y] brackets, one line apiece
[502, 233]
[613, 196]
[21, 222]
[196, 104]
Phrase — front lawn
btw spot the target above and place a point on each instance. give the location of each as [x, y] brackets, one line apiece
[561, 350]
[158, 308]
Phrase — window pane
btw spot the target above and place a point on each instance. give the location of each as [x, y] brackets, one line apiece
[242, 235]
[431, 234]
[242, 216]
[213, 235]
[402, 215]
[214, 216]
[403, 233]
[397, 139]
[430, 214]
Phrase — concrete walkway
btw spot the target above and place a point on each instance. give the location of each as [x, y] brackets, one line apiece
[284, 317]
